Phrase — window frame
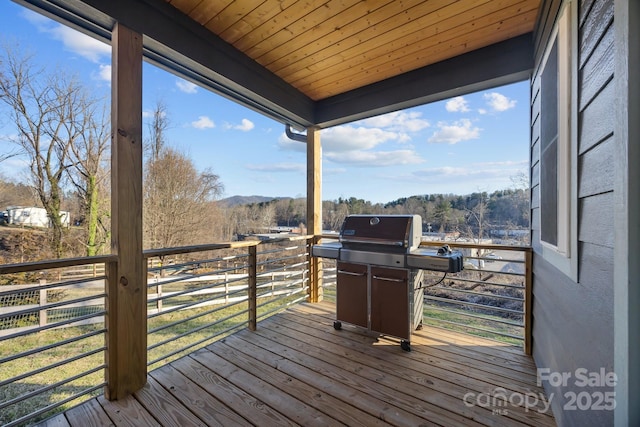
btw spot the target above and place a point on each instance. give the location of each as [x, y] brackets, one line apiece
[564, 254]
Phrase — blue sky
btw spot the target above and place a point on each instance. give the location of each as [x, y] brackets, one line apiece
[477, 142]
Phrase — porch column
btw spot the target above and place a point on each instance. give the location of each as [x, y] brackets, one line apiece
[626, 269]
[126, 290]
[314, 208]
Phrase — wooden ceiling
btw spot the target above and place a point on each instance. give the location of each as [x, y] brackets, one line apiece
[329, 47]
[322, 63]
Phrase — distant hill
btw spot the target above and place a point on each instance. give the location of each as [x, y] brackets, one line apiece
[247, 200]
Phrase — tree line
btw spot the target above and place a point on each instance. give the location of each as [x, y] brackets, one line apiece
[473, 216]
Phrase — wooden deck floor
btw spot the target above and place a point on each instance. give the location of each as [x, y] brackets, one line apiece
[297, 370]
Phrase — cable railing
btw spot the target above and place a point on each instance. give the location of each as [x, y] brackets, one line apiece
[199, 294]
[53, 349]
[52, 336]
[489, 298]
[198, 298]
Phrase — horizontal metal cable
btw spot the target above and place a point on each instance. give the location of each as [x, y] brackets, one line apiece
[50, 387]
[197, 343]
[479, 282]
[47, 286]
[167, 281]
[481, 329]
[208, 325]
[54, 325]
[54, 365]
[481, 294]
[178, 322]
[473, 315]
[188, 291]
[472, 304]
[51, 346]
[53, 406]
[50, 306]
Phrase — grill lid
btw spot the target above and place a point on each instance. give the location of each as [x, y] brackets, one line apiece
[399, 231]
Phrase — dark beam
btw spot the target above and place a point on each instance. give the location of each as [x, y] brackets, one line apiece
[499, 64]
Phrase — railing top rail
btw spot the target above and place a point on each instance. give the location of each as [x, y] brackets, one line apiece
[151, 253]
[56, 263]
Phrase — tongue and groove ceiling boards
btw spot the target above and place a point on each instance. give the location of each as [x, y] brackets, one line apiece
[325, 62]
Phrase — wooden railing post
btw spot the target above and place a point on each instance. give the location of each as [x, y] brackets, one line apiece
[315, 274]
[528, 302]
[253, 283]
[127, 283]
[314, 209]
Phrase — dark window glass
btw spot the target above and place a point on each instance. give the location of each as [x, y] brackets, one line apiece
[549, 148]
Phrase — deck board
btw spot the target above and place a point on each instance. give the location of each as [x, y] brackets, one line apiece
[295, 369]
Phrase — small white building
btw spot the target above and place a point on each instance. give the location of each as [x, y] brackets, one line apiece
[33, 217]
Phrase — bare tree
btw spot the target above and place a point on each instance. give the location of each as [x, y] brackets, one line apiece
[43, 107]
[177, 208]
[90, 174]
[157, 129]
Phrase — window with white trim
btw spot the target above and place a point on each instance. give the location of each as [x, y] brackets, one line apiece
[558, 173]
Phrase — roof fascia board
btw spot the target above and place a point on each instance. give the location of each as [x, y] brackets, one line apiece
[499, 64]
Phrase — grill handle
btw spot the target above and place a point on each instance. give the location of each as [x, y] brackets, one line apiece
[389, 279]
[350, 273]
[376, 241]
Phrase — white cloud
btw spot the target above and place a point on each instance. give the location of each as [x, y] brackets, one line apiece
[344, 138]
[359, 145]
[399, 121]
[81, 44]
[461, 130]
[333, 171]
[482, 111]
[104, 73]
[149, 114]
[375, 158]
[291, 145]
[203, 122]
[493, 175]
[245, 126]
[278, 167]
[457, 105]
[349, 138]
[76, 42]
[498, 102]
[186, 87]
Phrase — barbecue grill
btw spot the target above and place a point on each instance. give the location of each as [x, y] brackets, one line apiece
[380, 273]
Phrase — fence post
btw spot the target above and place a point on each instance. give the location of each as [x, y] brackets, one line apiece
[528, 302]
[252, 291]
[159, 296]
[315, 274]
[226, 287]
[43, 303]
